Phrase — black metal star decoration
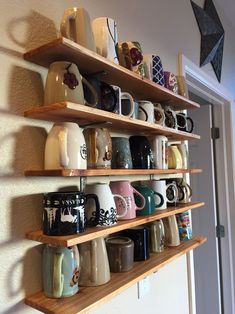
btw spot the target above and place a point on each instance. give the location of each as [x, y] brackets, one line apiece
[212, 36]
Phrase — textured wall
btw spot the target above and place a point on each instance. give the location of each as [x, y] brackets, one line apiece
[166, 27]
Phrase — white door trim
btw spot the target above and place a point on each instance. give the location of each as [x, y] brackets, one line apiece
[209, 89]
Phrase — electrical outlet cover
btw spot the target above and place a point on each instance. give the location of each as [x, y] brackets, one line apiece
[143, 287]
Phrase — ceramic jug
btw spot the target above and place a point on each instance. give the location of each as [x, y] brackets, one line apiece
[60, 268]
[99, 147]
[184, 155]
[65, 147]
[94, 263]
[174, 157]
[76, 25]
[171, 231]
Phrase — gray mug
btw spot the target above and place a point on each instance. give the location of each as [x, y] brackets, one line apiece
[121, 153]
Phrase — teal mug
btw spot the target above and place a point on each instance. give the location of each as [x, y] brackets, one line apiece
[60, 269]
[150, 204]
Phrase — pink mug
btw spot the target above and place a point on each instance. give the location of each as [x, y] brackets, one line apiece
[126, 190]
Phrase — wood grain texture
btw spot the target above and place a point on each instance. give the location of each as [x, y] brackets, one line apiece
[96, 232]
[91, 297]
[90, 62]
[105, 172]
[83, 115]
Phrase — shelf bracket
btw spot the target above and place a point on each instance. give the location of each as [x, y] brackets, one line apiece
[82, 183]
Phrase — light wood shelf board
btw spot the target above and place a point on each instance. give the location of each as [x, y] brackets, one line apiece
[83, 115]
[105, 172]
[96, 232]
[91, 297]
[63, 49]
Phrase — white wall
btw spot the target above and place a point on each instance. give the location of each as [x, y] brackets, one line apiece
[163, 27]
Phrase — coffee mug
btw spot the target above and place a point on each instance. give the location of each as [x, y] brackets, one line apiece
[140, 237]
[99, 147]
[106, 38]
[171, 81]
[94, 262]
[137, 112]
[184, 226]
[121, 153]
[124, 188]
[65, 147]
[60, 271]
[65, 83]
[174, 157]
[76, 25]
[130, 56]
[141, 152]
[184, 190]
[151, 204]
[159, 115]
[184, 155]
[120, 253]
[159, 146]
[153, 69]
[169, 192]
[146, 107]
[184, 123]
[170, 117]
[157, 236]
[108, 215]
[171, 231]
[64, 214]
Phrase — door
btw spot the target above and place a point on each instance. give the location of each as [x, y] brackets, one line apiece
[204, 220]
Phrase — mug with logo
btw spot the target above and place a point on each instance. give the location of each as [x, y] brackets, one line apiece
[171, 231]
[174, 157]
[159, 144]
[65, 147]
[141, 152]
[65, 83]
[121, 153]
[108, 215]
[130, 56]
[157, 236]
[60, 271]
[64, 212]
[169, 192]
[153, 69]
[124, 188]
[184, 226]
[106, 38]
[76, 25]
[99, 147]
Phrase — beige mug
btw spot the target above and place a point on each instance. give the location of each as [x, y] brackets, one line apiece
[174, 157]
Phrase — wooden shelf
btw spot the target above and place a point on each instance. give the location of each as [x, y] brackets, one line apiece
[83, 115]
[90, 62]
[96, 232]
[91, 297]
[104, 172]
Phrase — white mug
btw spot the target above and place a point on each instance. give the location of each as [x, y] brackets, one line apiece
[125, 103]
[76, 25]
[65, 147]
[105, 35]
[159, 149]
[146, 106]
[64, 83]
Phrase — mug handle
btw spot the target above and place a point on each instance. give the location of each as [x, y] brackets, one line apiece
[68, 15]
[190, 130]
[176, 192]
[97, 210]
[145, 112]
[58, 277]
[142, 198]
[125, 205]
[127, 95]
[92, 90]
[161, 199]
[63, 138]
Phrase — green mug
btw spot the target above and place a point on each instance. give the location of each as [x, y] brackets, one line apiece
[150, 204]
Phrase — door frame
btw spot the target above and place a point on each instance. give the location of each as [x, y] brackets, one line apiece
[201, 84]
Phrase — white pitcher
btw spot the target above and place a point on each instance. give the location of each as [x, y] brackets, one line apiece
[65, 147]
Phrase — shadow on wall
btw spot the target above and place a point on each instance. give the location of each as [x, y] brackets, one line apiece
[39, 30]
[28, 151]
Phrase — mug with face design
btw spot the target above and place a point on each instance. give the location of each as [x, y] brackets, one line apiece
[64, 214]
[106, 38]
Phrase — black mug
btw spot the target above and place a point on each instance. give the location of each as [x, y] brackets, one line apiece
[64, 212]
[142, 157]
[184, 123]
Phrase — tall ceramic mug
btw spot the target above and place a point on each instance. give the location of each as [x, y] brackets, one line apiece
[153, 69]
[125, 189]
[141, 152]
[121, 153]
[64, 83]
[99, 147]
[108, 212]
[65, 147]
[184, 155]
[174, 157]
[60, 270]
[76, 25]
[159, 149]
[106, 37]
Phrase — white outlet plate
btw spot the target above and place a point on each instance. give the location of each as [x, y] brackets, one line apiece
[143, 287]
